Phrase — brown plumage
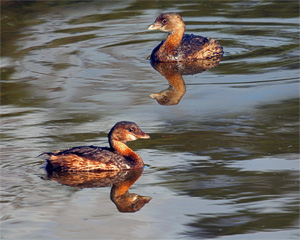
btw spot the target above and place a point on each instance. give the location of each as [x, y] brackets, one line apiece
[179, 47]
[92, 158]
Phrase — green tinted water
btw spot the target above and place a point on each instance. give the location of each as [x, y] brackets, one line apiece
[221, 163]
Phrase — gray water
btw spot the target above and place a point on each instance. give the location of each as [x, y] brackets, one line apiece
[222, 162]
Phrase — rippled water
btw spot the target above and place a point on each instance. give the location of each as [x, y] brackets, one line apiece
[223, 159]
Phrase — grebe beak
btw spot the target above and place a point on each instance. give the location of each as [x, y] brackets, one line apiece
[155, 26]
[142, 135]
[155, 95]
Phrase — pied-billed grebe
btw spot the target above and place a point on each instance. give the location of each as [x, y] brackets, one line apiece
[91, 158]
[178, 46]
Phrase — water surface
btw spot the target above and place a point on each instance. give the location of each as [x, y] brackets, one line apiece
[222, 163]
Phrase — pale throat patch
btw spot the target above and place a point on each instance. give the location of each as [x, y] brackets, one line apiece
[132, 138]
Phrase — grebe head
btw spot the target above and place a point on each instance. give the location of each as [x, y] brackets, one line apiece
[126, 131]
[168, 22]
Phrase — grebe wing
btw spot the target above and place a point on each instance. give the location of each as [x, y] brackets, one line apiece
[101, 154]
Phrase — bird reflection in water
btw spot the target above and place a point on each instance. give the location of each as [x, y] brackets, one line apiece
[120, 181]
[173, 72]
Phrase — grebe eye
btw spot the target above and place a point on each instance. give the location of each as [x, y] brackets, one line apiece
[164, 21]
[131, 130]
[166, 99]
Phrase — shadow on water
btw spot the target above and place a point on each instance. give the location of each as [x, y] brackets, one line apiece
[120, 181]
[224, 163]
[173, 73]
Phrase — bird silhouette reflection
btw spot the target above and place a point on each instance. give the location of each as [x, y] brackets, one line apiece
[173, 72]
[120, 181]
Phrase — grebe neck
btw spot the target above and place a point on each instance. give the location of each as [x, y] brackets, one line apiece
[177, 82]
[122, 149]
[174, 39]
